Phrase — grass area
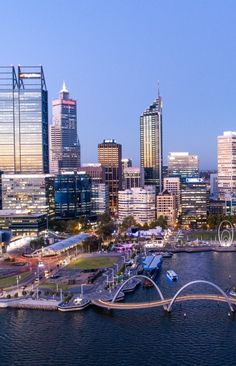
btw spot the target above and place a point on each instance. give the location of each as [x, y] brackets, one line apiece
[53, 286]
[93, 262]
[11, 281]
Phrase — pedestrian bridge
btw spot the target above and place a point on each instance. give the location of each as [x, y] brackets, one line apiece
[168, 303]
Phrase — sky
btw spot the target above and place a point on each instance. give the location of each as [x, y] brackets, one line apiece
[112, 53]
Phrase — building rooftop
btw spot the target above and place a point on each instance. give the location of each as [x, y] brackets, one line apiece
[66, 243]
[20, 213]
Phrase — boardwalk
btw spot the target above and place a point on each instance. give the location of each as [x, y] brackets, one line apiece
[164, 303]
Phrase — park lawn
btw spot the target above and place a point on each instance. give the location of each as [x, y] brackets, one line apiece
[53, 286]
[93, 262]
[11, 280]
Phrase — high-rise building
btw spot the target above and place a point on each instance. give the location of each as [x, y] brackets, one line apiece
[72, 195]
[96, 172]
[99, 190]
[64, 143]
[126, 163]
[139, 203]
[227, 164]
[172, 185]
[183, 165]
[166, 206]
[132, 177]
[23, 120]
[31, 192]
[194, 199]
[109, 156]
[214, 186]
[99, 199]
[151, 144]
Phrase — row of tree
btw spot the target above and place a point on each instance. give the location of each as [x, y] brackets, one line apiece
[105, 226]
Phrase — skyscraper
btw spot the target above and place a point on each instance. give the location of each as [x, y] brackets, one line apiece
[109, 156]
[183, 165]
[64, 143]
[151, 144]
[23, 120]
[227, 164]
[193, 202]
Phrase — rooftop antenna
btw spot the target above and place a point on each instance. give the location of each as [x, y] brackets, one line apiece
[158, 89]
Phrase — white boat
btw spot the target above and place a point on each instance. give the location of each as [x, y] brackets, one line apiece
[232, 292]
[172, 275]
[78, 304]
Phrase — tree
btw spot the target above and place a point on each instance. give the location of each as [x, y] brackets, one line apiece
[104, 219]
[162, 222]
[91, 244]
[128, 222]
[106, 230]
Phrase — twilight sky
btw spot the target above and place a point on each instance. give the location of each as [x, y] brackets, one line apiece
[111, 53]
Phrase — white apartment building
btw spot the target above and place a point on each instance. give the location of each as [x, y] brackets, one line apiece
[139, 203]
[226, 164]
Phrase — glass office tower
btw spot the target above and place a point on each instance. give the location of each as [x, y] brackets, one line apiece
[64, 143]
[109, 156]
[151, 144]
[23, 120]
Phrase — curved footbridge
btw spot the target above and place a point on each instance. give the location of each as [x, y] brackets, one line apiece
[167, 303]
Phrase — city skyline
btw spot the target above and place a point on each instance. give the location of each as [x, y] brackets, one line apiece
[115, 67]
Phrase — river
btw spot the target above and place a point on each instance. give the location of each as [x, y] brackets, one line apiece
[206, 336]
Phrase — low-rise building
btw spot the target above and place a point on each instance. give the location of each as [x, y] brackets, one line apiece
[23, 222]
[72, 195]
[31, 192]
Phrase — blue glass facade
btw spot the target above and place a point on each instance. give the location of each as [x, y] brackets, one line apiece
[72, 195]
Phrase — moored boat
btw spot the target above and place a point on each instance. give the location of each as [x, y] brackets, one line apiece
[78, 304]
[172, 275]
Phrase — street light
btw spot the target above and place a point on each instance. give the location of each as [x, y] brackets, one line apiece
[17, 281]
[107, 276]
[123, 256]
[82, 290]
[117, 267]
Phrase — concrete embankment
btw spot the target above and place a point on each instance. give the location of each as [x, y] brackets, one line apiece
[203, 249]
[40, 304]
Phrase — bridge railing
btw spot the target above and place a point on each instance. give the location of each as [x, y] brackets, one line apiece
[227, 299]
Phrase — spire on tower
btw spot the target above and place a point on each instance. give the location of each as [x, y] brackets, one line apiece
[64, 88]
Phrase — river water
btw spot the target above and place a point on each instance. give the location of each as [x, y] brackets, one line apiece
[206, 336]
